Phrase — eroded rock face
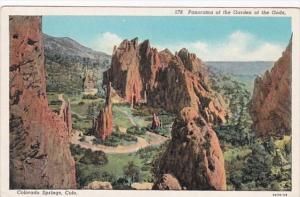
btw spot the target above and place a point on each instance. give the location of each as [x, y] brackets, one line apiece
[103, 126]
[270, 106]
[89, 83]
[142, 74]
[167, 182]
[65, 113]
[193, 156]
[39, 142]
[124, 72]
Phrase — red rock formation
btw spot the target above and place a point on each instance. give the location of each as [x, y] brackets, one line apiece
[39, 144]
[168, 81]
[155, 122]
[167, 182]
[270, 106]
[193, 156]
[192, 62]
[124, 72]
[103, 126]
[89, 83]
[65, 113]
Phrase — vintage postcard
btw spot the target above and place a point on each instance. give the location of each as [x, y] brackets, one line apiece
[199, 101]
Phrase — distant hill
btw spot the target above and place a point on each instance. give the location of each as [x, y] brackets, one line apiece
[242, 68]
[67, 61]
[245, 72]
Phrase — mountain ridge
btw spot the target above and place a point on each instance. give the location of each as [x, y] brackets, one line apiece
[63, 53]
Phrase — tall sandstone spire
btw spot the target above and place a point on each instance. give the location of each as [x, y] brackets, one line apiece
[270, 106]
[103, 125]
[39, 144]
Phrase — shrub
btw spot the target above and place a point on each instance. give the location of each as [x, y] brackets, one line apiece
[132, 172]
[95, 158]
[76, 149]
[115, 139]
[89, 96]
[135, 130]
[122, 184]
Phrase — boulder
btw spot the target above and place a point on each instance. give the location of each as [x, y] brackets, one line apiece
[142, 186]
[99, 185]
[167, 182]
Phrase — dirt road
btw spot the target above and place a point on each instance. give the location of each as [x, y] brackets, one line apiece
[155, 139]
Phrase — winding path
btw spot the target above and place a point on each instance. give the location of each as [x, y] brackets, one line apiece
[155, 139]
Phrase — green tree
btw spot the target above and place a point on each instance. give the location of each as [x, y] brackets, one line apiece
[131, 172]
[237, 130]
[269, 145]
[258, 167]
[96, 157]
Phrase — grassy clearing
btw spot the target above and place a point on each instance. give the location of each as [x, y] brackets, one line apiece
[116, 163]
[120, 119]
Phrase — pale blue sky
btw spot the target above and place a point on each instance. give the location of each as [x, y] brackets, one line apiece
[210, 37]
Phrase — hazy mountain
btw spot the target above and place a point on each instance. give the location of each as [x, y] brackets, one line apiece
[242, 68]
[245, 72]
[67, 61]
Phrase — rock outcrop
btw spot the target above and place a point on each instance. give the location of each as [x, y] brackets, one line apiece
[99, 185]
[167, 182]
[65, 113]
[155, 122]
[103, 125]
[193, 156]
[142, 186]
[39, 143]
[270, 106]
[142, 74]
[89, 83]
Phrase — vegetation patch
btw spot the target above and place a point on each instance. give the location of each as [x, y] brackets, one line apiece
[115, 139]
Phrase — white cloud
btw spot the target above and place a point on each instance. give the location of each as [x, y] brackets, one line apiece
[238, 46]
[106, 42]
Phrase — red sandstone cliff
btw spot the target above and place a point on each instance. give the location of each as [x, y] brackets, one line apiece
[168, 81]
[270, 106]
[39, 143]
[103, 125]
[65, 113]
[193, 158]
